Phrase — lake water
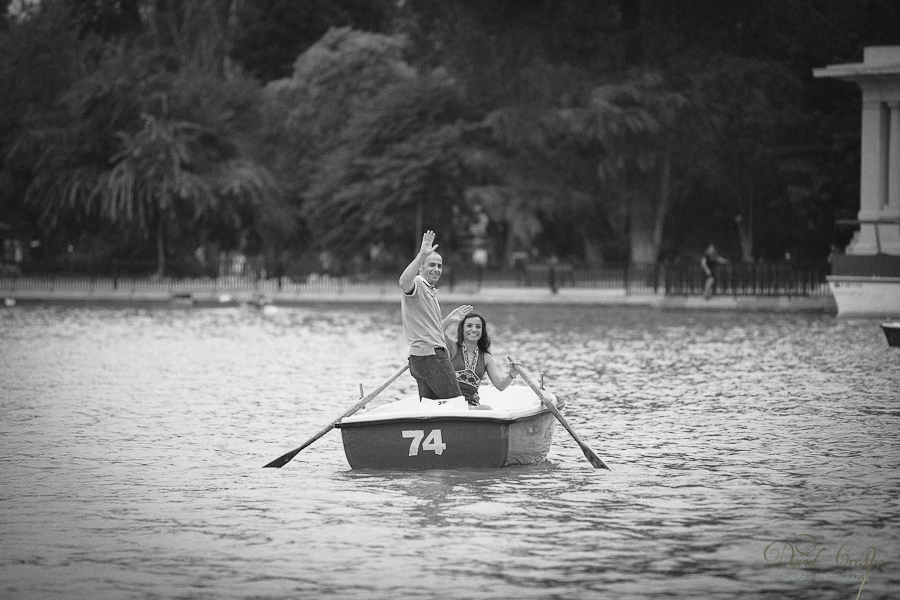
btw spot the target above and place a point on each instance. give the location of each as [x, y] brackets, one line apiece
[132, 441]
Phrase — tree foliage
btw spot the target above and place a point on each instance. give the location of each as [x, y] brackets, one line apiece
[378, 139]
[591, 129]
[271, 34]
[152, 145]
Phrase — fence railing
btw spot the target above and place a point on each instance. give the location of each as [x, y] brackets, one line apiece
[750, 279]
[737, 279]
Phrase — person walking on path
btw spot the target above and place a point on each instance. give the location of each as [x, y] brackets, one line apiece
[551, 274]
[710, 262]
[429, 362]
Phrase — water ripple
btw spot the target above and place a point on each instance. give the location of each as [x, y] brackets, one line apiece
[132, 440]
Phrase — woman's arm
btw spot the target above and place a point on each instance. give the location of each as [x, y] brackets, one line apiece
[450, 339]
[450, 323]
[500, 381]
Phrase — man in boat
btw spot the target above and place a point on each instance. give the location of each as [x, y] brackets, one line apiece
[429, 362]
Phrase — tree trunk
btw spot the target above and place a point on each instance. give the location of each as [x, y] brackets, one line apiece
[744, 236]
[592, 254]
[641, 221]
[631, 27]
[160, 248]
[231, 26]
[662, 207]
[420, 218]
[744, 219]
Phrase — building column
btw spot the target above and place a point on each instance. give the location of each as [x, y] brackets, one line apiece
[889, 232]
[892, 202]
[873, 181]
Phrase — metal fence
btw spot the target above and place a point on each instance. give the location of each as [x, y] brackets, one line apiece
[738, 279]
[750, 279]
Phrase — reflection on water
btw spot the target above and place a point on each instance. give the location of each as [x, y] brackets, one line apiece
[132, 441]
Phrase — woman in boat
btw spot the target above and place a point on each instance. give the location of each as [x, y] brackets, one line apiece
[469, 346]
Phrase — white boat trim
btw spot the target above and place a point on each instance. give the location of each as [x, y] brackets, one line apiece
[864, 278]
[866, 296]
[515, 402]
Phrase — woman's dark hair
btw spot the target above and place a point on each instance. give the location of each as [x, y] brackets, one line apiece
[484, 342]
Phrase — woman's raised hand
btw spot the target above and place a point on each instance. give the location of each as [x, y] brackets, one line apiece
[459, 313]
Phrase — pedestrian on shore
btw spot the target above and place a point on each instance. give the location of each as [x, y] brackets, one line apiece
[551, 274]
[429, 361]
[480, 260]
[710, 263]
[470, 354]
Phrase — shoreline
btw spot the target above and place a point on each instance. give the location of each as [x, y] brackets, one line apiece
[383, 295]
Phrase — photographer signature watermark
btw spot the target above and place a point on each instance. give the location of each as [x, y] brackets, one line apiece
[804, 551]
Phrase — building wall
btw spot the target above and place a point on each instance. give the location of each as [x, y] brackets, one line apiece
[879, 196]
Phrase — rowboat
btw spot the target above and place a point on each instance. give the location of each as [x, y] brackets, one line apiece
[414, 434]
[516, 429]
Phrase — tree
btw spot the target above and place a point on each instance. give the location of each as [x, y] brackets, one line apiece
[748, 136]
[271, 34]
[545, 114]
[163, 173]
[377, 142]
[533, 174]
[525, 67]
[637, 123]
[110, 19]
[153, 147]
[40, 58]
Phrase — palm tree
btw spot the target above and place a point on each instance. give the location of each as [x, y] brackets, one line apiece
[163, 171]
[169, 166]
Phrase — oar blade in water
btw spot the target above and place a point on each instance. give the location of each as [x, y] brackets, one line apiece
[588, 452]
[286, 458]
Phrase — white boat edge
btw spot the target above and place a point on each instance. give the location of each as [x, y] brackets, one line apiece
[515, 402]
[866, 296]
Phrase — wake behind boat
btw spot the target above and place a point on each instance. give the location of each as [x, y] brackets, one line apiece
[410, 434]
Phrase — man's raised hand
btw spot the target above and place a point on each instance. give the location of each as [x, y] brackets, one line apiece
[428, 245]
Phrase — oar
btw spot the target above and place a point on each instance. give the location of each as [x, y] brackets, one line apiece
[588, 453]
[283, 460]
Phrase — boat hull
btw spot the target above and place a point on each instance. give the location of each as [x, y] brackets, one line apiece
[448, 443]
[861, 296]
[456, 438]
[892, 333]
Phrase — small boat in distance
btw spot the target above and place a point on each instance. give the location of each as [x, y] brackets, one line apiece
[410, 434]
[892, 332]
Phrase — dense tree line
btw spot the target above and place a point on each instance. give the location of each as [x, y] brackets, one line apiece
[592, 130]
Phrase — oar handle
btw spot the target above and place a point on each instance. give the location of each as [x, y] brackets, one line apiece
[588, 452]
[285, 459]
